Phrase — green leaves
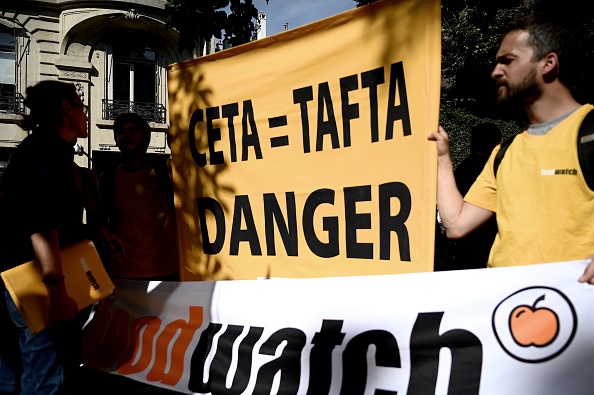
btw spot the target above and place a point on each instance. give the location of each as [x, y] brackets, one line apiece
[204, 19]
[241, 26]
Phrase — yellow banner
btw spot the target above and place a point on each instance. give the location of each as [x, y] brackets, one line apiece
[305, 154]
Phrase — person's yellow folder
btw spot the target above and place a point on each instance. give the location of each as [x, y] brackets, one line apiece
[85, 278]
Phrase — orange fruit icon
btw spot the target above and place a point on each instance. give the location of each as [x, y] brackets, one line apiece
[532, 326]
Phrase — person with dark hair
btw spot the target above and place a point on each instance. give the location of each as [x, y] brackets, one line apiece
[543, 203]
[43, 209]
[136, 206]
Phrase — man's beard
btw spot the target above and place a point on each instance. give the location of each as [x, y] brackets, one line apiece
[521, 93]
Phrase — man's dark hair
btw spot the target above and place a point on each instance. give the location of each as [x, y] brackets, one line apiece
[122, 119]
[551, 33]
[44, 101]
[484, 137]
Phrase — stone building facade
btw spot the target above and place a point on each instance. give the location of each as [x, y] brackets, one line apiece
[115, 52]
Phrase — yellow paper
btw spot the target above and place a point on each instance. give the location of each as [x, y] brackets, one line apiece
[85, 278]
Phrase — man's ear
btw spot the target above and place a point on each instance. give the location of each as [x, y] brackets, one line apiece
[550, 68]
[66, 107]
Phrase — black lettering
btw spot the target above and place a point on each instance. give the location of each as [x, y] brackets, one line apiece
[221, 362]
[397, 112]
[288, 232]
[92, 280]
[326, 127]
[320, 358]
[349, 111]
[425, 344]
[330, 225]
[214, 135]
[249, 139]
[371, 79]
[354, 359]
[301, 96]
[250, 234]
[219, 368]
[198, 361]
[355, 221]
[199, 158]
[288, 364]
[394, 223]
[210, 204]
[230, 111]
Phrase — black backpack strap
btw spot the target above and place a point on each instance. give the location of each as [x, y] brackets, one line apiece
[499, 155]
[585, 145]
[585, 149]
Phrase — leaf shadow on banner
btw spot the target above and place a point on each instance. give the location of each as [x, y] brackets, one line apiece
[389, 37]
[192, 180]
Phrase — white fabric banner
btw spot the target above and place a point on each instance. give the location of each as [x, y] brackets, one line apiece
[520, 330]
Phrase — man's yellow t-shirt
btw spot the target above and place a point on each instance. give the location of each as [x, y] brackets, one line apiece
[544, 208]
[146, 226]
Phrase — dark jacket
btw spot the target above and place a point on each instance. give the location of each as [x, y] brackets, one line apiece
[40, 195]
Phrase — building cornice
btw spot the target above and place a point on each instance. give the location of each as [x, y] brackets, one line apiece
[68, 4]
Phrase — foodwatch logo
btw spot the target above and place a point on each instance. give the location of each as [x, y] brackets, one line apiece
[535, 324]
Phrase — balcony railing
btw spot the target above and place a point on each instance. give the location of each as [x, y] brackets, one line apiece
[152, 112]
[11, 103]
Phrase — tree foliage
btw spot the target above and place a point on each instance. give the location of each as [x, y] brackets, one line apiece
[198, 20]
[364, 2]
[241, 22]
[470, 41]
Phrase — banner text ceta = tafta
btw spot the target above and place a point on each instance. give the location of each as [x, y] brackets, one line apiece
[326, 125]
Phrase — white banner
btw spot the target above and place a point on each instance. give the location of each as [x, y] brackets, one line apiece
[521, 330]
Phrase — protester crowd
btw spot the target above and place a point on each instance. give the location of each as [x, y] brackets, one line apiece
[129, 217]
[529, 216]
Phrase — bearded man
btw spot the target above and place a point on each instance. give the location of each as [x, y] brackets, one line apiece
[540, 217]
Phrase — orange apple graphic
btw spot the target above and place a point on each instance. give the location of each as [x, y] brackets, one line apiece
[532, 326]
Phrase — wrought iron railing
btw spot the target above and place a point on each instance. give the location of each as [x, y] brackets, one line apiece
[152, 112]
[11, 103]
